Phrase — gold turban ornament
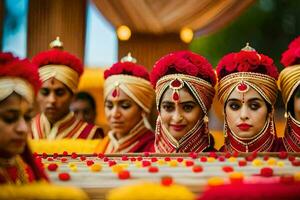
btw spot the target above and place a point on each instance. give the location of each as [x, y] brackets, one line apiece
[138, 89]
[62, 73]
[288, 81]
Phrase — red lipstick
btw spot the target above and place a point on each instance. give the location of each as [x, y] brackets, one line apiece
[244, 126]
[178, 127]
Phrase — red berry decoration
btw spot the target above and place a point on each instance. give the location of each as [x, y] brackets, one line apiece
[64, 176]
[242, 163]
[146, 154]
[193, 155]
[266, 172]
[291, 158]
[221, 159]
[89, 162]
[197, 168]
[139, 158]
[167, 159]
[166, 180]
[189, 163]
[111, 163]
[153, 169]
[283, 155]
[50, 159]
[133, 159]
[124, 175]
[266, 157]
[55, 155]
[227, 155]
[44, 155]
[203, 159]
[146, 163]
[82, 158]
[227, 169]
[52, 167]
[101, 155]
[74, 155]
[124, 158]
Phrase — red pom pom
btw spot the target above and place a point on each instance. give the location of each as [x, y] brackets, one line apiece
[266, 157]
[227, 155]
[266, 172]
[179, 159]
[246, 61]
[124, 175]
[65, 153]
[153, 169]
[127, 68]
[296, 163]
[55, 155]
[154, 159]
[292, 158]
[295, 43]
[197, 168]
[58, 57]
[64, 176]
[212, 154]
[167, 180]
[183, 62]
[52, 167]
[11, 66]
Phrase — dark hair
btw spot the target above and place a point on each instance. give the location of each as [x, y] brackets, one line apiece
[85, 96]
[290, 105]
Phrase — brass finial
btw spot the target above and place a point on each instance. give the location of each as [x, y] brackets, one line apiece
[56, 44]
[128, 58]
[248, 48]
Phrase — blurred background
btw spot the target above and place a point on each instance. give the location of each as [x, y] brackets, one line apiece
[100, 32]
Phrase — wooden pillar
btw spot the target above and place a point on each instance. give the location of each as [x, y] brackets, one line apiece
[1, 22]
[147, 49]
[50, 18]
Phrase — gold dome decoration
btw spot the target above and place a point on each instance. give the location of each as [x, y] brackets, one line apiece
[56, 44]
[128, 58]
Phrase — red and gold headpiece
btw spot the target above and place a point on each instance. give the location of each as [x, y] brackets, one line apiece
[245, 69]
[132, 79]
[184, 68]
[289, 78]
[59, 64]
[19, 76]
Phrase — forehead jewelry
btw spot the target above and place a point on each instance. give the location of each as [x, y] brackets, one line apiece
[176, 85]
[116, 91]
[242, 87]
